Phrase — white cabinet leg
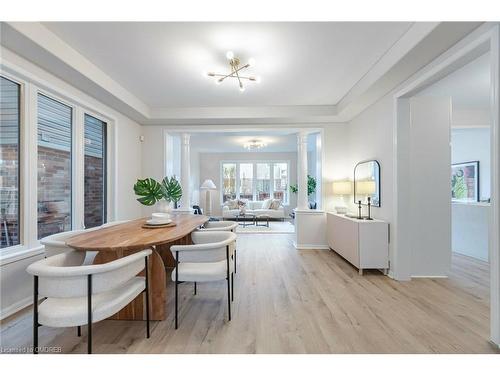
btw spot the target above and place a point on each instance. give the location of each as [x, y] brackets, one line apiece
[360, 271]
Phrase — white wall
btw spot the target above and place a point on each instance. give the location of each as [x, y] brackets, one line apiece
[210, 169]
[473, 144]
[16, 284]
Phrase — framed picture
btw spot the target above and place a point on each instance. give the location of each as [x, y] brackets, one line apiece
[465, 182]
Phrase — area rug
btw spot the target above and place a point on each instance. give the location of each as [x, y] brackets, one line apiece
[274, 227]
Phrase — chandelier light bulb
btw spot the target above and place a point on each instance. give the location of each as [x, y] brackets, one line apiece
[242, 88]
[257, 79]
[251, 61]
[229, 55]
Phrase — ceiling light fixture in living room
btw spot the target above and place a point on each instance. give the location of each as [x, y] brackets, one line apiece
[236, 70]
[254, 144]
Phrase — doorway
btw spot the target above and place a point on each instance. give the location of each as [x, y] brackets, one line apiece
[408, 107]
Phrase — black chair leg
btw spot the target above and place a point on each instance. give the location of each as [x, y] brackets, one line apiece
[89, 314]
[195, 288]
[234, 260]
[35, 315]
[79, 331]
[176, 286]
[232, 287]
[147, 296]
[228, 284]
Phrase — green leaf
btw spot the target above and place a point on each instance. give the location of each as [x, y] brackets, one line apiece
[149, 190]
[311, 186]
[171, 189]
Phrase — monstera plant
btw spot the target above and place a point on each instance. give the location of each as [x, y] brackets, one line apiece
[151, 191]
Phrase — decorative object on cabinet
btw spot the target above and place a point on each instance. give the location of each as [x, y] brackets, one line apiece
[364, 244]
[369, 217]
[367, 182]
[465, 182]
[342, 188]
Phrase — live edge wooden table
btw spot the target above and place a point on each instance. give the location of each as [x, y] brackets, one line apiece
[124, 239]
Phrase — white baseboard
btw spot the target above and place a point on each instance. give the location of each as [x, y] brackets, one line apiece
[310, 246]
[12, 309]
[429, 277]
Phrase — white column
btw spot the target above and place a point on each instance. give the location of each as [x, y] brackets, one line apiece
[185, 172]
[302, 201]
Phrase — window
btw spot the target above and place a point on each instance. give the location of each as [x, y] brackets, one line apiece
[280, 183]
[54, 166]
[9, 172]
[246, 181]
[94, 172]
[229, 181]
[263, 181]
[255, 180]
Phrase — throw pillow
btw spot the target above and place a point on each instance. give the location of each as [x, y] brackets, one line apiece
[275, 204]
[232, 204]
[241, 203]
[266, 204]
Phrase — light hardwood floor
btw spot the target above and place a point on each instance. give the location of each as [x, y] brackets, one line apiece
[290, 301]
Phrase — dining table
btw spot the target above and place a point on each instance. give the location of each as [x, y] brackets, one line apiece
[123, 239]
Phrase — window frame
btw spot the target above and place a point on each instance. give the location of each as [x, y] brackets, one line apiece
[271, 163]
[105, 164]
[30, 85]
[73, 151]
[20, 167]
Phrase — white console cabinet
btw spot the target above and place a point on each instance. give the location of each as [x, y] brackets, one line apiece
[364, 243]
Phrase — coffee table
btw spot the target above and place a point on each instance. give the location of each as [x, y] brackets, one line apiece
[243, 219]
[262, 217]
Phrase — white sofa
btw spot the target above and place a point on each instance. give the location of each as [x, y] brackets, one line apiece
[254, 207]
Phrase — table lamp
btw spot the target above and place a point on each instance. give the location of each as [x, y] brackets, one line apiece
[208, 185]
[342, 188]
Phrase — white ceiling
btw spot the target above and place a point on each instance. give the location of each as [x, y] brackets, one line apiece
[299, 63]
[469, 86]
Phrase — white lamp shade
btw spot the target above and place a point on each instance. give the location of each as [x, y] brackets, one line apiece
[366, 187]
[342, 187]
[208, 185]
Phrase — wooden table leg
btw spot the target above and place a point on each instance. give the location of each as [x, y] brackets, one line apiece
[166, 254]
[135, 310]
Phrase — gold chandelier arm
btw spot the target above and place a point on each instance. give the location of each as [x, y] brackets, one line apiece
[233, 71]
[239, 80]
[231, 76]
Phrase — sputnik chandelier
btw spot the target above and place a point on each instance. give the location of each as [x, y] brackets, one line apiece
[236, 70]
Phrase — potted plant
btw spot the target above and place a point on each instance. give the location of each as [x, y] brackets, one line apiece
[311, 187]
[163, 193]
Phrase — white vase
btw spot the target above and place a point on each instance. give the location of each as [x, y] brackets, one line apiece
[163, 206]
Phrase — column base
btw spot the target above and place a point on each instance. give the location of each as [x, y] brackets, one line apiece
[310, 230]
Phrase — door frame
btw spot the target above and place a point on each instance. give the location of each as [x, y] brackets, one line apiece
[483, 39]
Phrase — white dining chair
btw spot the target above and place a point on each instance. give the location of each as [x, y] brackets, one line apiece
[56, 244]
[207, 259]
[224, 225]
[76, 295]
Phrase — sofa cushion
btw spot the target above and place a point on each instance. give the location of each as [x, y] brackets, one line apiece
[231, 204]
[267, 203]
[275, 204]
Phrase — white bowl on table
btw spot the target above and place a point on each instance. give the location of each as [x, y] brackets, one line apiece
[159, 218]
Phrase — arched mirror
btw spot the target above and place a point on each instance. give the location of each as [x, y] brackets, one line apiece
[367, 182]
